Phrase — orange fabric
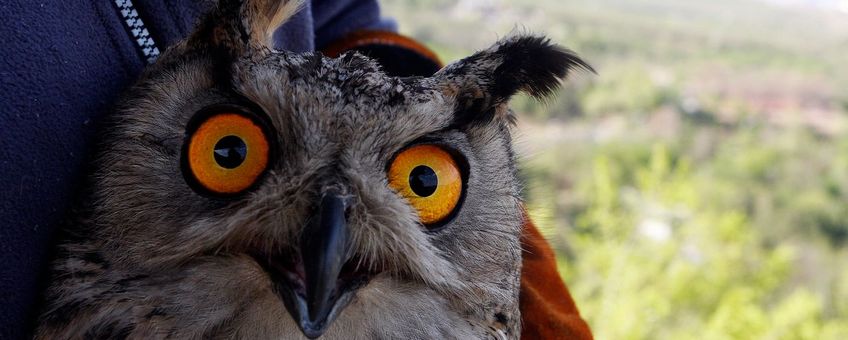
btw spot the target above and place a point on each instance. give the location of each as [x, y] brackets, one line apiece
[547, 309]
[366, 37]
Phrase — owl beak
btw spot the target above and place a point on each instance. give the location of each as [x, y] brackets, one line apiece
[319, 282]
[325, 251]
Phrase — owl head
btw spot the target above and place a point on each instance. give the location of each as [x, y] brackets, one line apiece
[242, 191]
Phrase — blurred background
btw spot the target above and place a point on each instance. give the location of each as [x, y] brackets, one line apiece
[696, 187]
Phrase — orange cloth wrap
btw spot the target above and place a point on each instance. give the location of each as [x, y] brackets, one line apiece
[547, 309]
[366, 37]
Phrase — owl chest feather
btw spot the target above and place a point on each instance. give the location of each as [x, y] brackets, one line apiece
[94, 298]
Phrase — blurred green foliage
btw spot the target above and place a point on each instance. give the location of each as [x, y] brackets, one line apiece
[656, 251]
[696, 187]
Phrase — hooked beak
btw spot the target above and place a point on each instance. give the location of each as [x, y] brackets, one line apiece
[317, 284]
[324, 250]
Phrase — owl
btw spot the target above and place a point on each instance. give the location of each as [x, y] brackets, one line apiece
[244, 192]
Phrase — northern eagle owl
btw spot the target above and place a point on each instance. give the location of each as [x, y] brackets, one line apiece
[244, 192]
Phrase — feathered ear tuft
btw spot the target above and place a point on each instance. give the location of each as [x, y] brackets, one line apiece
[532, 64]
[487, 80]
[241, 25]
[265, 16]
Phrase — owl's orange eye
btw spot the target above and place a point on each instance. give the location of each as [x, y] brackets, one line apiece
[429, 178]
[226, 153]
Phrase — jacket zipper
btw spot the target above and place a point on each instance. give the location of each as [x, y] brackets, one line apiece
[143, 41]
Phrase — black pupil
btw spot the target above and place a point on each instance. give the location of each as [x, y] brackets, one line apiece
[230, 152]
[423, 181]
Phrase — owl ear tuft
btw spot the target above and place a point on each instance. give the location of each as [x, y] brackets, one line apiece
[484, 82]
[240, 25]
[531, 64]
